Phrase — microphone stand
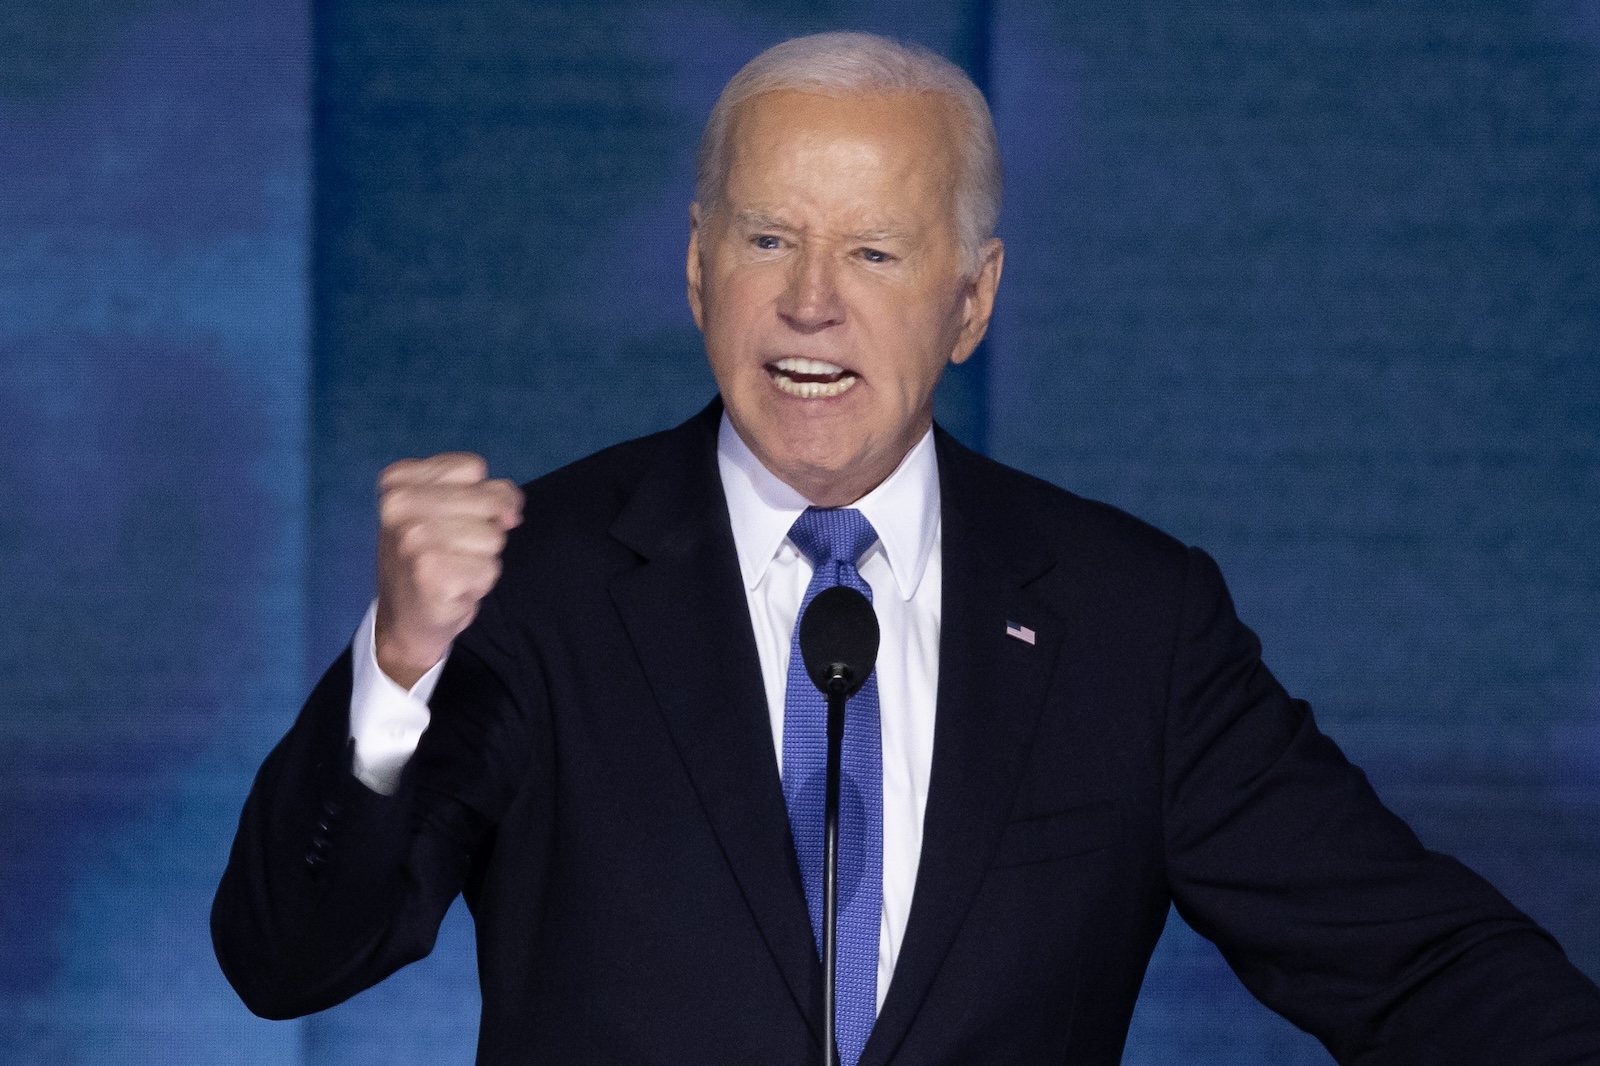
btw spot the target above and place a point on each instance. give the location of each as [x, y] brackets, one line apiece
[838, 638]
[838, 687]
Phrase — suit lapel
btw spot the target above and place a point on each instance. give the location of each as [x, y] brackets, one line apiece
[685, 611]
[991, 690]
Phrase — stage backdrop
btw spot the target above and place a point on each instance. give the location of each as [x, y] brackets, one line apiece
[1315, 287]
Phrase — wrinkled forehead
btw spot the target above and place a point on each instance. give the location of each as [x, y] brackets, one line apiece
[894, 145]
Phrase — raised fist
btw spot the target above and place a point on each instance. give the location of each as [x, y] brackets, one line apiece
[441, 526]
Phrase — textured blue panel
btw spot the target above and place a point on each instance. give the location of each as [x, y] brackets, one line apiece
[1315, 287]
[1311, 286]
[152, 359]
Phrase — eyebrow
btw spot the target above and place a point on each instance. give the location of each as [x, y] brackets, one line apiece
[760, 220]
[881, 235]
[753, 219]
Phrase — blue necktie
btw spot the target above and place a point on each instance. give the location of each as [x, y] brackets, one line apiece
[834, 540]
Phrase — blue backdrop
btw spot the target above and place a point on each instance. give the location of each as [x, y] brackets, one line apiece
[1316, 287]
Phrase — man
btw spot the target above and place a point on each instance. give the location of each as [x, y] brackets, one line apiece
[1068, 728]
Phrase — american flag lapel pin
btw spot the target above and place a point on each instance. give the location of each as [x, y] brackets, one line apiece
[1021, 632]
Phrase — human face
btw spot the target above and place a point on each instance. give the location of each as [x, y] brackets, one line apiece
[829, 283]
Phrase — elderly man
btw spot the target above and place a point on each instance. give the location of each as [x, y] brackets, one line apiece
[1068, 729]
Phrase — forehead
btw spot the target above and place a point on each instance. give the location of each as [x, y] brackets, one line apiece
[883, 148]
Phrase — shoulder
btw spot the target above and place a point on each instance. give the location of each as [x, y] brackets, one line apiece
[559, 563]
[1045, 525]
[591, 492]
[585, 498]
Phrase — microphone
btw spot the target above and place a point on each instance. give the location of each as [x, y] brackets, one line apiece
[839, 645]
[839, 640]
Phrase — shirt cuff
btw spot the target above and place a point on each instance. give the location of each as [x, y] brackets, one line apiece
[386, 721]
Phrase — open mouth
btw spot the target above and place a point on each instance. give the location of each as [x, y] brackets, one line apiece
[810, 379]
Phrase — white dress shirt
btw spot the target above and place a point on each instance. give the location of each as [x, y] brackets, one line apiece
[903, 569]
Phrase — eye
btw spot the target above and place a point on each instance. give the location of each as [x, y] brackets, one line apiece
[874, 255]
[766, 242]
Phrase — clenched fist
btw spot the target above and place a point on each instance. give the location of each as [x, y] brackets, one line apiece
[441, 526]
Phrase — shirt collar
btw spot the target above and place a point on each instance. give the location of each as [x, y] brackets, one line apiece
[904, 509]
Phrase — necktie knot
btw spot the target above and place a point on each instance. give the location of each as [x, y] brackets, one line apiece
[832, 535]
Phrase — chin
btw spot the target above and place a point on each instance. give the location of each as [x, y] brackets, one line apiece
[833, 478]
[813, 465]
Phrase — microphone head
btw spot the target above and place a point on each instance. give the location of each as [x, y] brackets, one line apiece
[839, 639]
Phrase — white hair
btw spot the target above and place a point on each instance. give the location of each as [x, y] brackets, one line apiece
[842, 63]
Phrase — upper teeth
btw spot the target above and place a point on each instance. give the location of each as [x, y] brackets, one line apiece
[796, 365]
[790, 371]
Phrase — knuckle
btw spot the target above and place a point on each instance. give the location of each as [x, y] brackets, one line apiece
[392, 506]
[396, 471]
[481, 583]
[464, 467]
[411, 540]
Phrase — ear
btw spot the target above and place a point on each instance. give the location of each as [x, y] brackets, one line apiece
[692, 266]
[978, 300]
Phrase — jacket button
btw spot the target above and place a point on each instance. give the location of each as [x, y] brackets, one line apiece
[315, 858]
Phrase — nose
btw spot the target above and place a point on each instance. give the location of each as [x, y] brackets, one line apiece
[810, 301]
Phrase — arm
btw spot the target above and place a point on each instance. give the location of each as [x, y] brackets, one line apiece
[1323, 902]
[330, 886]
[341, 872]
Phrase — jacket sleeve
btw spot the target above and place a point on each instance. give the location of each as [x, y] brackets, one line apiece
[1325, 903]
[330, 886]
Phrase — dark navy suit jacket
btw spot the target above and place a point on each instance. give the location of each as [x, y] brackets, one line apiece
[599, 780]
